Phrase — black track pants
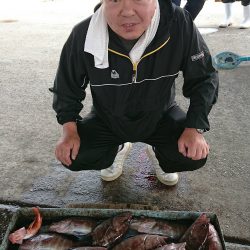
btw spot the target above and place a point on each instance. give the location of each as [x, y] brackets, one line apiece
[243, 2]
[99, 145]
[192, 6]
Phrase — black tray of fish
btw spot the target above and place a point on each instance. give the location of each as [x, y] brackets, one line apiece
[116, 229]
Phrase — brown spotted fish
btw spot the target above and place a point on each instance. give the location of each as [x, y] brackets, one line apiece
[110, 230]
[213, 239]
[73, 226]
[173, 246]
[160, 227]
[47, 242]
[197, 233]
[141, 242]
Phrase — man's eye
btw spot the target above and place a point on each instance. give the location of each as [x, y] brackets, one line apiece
[141, 1]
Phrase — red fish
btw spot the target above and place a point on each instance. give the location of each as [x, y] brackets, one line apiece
[73, 226]
[141, 242]
[173, 246]
[19, 235]
[213, 239]
[47, 241]
[197, 233]
[160, 227]
[111, 229]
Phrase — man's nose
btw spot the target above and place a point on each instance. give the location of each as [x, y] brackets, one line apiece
[127, 8]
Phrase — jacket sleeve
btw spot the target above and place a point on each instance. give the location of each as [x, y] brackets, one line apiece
[70, 82]
[200, 78]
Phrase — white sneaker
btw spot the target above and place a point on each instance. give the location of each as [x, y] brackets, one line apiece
[228, 15]
[246, 22]
[115, 170]
[169, 179]
[225, 24]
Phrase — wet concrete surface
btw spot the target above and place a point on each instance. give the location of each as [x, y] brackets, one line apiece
[30, 175]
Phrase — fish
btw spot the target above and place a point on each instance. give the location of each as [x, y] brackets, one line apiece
[141, 242]
[110, 230]
[196, 235]
[47, 242]
[213, 239]
[21, 234]
[173, 246]
[160, 227]
[73, 226]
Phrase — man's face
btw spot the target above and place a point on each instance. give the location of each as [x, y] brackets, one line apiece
[129, 18]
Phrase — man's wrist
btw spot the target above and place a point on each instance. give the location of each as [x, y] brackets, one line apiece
[69, 127]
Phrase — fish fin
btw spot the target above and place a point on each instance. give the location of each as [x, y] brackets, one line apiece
[17, 236]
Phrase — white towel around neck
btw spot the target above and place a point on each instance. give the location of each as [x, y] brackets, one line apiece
[97, 38]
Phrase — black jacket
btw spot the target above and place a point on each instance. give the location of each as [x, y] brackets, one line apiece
[129, 98]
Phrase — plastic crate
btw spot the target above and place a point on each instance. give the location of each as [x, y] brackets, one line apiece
[50, 214]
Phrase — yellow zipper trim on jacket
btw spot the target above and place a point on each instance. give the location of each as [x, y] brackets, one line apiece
[120, 54]
[148, 54]
[135, 65]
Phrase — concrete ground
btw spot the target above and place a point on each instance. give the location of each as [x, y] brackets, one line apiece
[32, 35]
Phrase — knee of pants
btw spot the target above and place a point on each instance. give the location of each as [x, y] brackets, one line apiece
[78, 166]
[194, 165]
[93, 160]
[182, 166]
[74, 167]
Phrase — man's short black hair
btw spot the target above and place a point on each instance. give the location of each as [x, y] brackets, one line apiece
[97, 6]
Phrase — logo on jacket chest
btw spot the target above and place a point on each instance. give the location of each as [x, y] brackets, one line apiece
[114, 74]
[197, 56]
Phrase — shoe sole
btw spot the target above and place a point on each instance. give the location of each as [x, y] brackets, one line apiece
[225, 26]
[167, 183]
[105, 178]
[152, 157]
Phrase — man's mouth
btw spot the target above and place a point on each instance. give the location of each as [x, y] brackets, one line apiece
[128, 25]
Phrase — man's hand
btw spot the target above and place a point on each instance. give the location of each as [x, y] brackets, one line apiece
[193, 145]
[69, 144]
